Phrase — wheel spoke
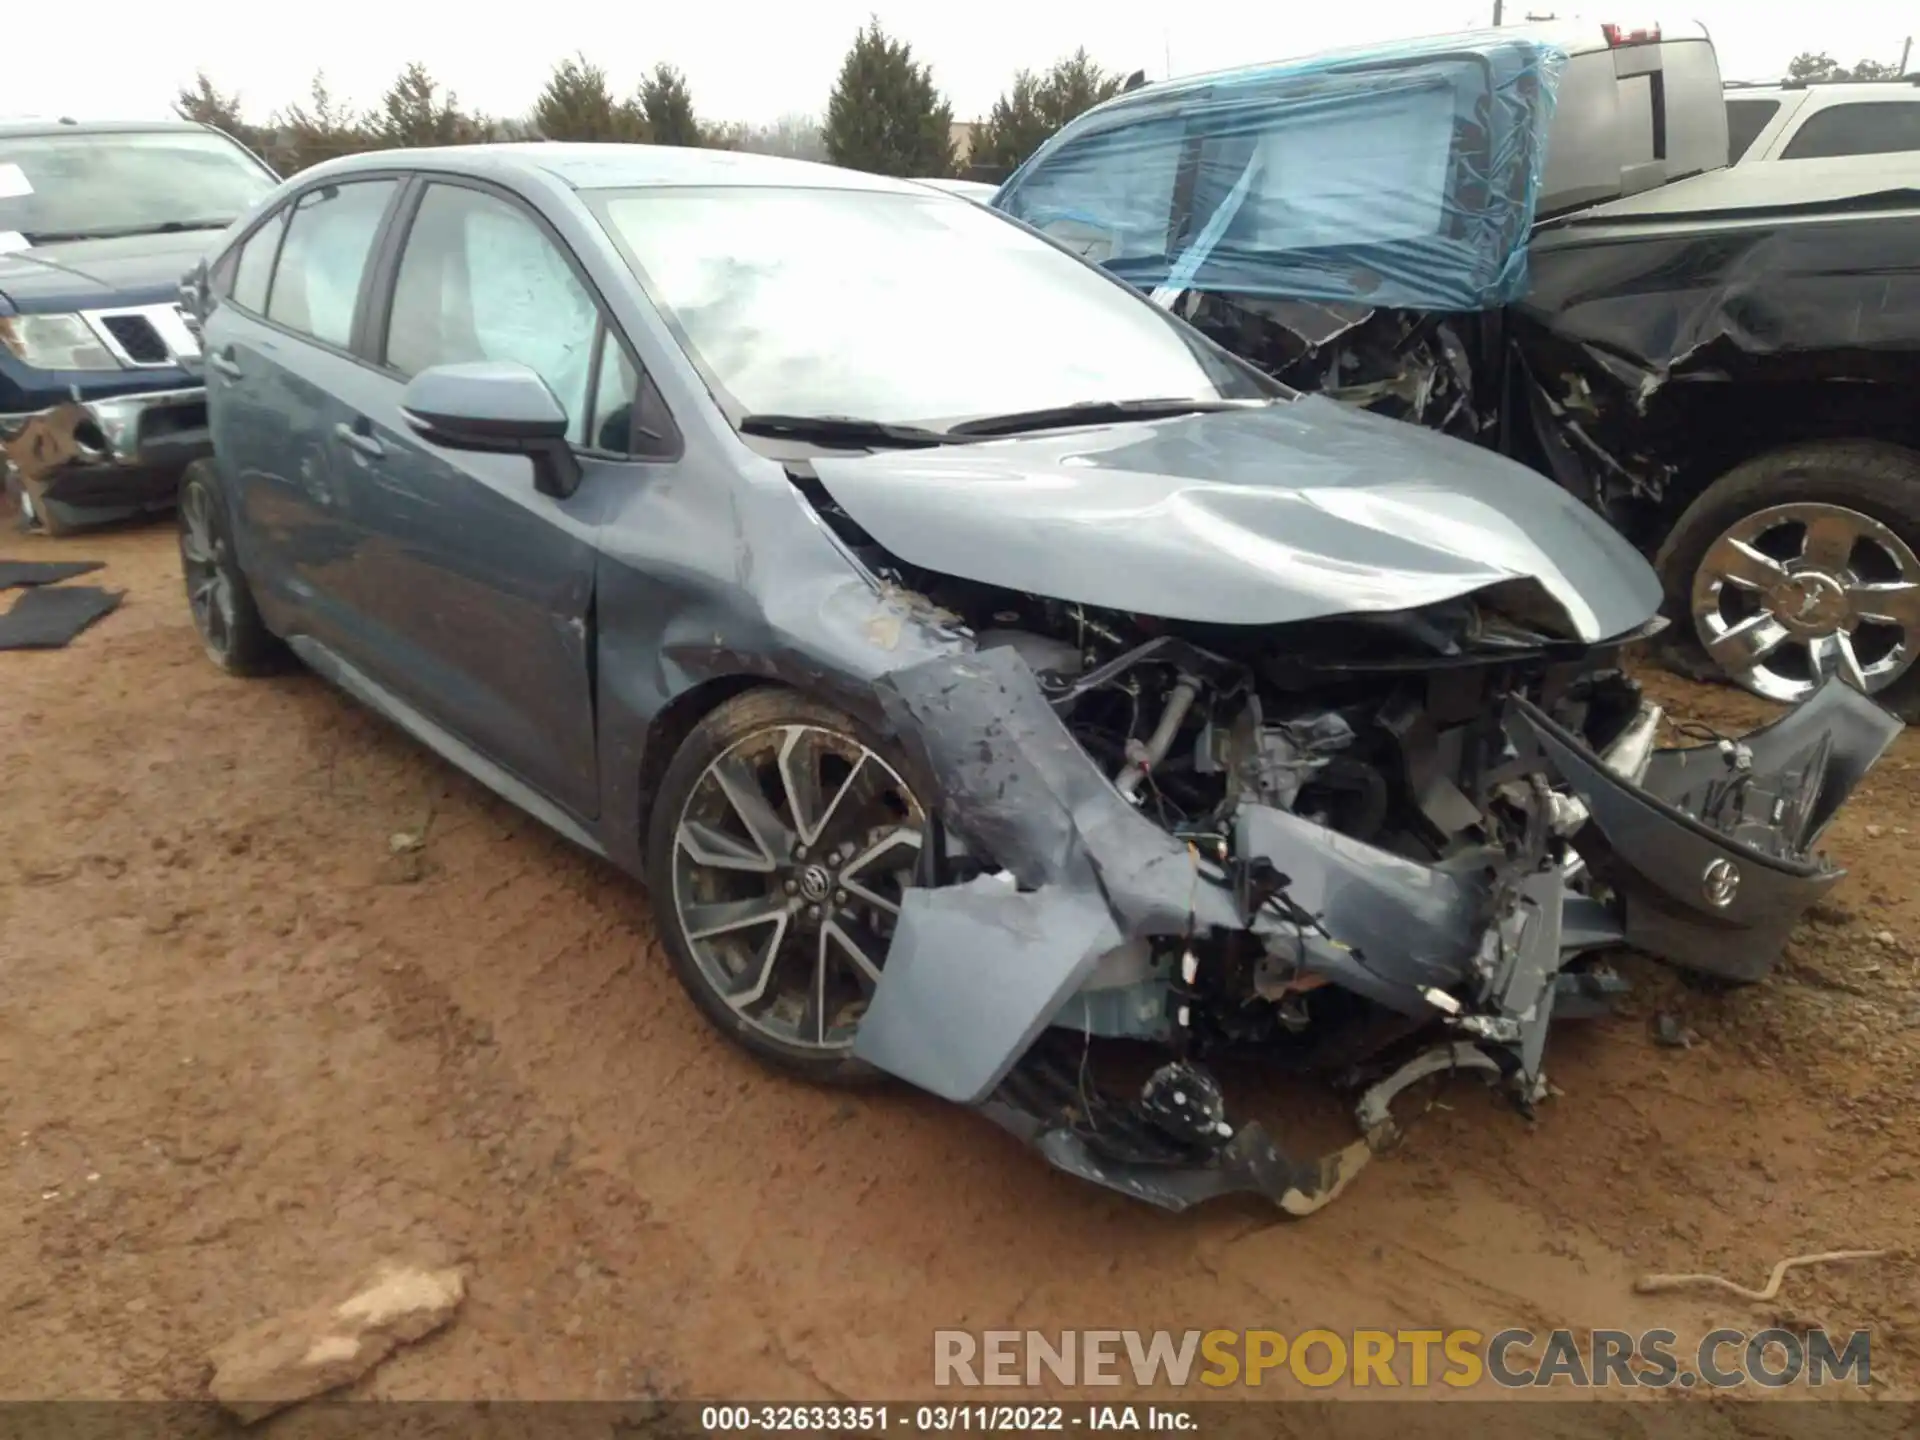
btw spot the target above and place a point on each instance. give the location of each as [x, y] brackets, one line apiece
[853, 946]
[709, 846]
[1742, 647]
[751, 984]
[814, 1018]
[741, 786]
[1829, 542]
[901, 838]
[721, 917]
[1734, 559]
[799, 763]
[1895, 602]
[1833, 655]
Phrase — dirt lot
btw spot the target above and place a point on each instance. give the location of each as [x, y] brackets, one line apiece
[244, 1050]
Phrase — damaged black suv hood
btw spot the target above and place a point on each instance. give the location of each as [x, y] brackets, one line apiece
[1295, 511]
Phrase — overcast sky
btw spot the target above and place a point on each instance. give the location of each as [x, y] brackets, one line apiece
[759, 59]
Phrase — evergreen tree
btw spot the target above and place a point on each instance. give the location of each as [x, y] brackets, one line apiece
[1036, 107]
[885, 116]
[320, 130]
[415, 112]
[667, 106]
[577, 105]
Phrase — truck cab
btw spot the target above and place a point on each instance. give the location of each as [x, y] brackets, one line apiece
[101, 407]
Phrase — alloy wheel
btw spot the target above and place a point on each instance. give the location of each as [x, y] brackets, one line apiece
[1793, 595]
[790, 857]
[203, 559]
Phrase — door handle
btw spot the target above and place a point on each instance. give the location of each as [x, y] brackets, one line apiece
[224, 364]
[354, 439]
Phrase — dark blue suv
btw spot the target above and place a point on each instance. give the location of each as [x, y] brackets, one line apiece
[101, 402]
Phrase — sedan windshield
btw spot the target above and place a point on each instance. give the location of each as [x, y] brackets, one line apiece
[85, 186]
[898, 309]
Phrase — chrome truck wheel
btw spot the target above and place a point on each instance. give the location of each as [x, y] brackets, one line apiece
[782, 839]
[1792, 595]
[1799, 566]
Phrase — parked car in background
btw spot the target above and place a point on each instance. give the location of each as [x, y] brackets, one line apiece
[1530, 238]
[100, 404]
[1802, 121]
[966, 689]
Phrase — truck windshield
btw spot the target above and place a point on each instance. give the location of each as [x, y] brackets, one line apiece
[92, 185]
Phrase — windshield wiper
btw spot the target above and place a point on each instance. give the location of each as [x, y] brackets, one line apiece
[165, 227]
[1093, 412]
[844, 430]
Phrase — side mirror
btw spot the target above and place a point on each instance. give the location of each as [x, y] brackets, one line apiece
[501, 407]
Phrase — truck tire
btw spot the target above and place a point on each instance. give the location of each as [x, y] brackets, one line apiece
[1798, 565]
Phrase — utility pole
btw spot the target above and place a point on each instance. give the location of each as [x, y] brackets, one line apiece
[1497, 8]
[1905, 51]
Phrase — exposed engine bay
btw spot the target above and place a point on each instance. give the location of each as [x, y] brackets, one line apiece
[1376, 846]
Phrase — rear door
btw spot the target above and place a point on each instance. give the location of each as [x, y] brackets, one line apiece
[480, 588]
[278, 355]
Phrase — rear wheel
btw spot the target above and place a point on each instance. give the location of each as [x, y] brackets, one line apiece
[229, 625]
[781, 839]
[1800, 566]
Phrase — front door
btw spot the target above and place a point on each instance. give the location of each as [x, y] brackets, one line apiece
[480, 587]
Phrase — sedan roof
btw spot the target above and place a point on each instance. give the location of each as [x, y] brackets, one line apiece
[622, 167]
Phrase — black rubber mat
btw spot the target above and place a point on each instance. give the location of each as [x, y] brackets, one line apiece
[48, 618]
[43, 572]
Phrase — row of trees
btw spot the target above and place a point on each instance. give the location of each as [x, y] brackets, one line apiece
[1820, 68]
[885, 115]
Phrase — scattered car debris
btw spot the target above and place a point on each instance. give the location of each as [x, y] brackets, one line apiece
[1653, 1284]
[49, 617]
[1669, 1033]
[307, 1352]
[20, 574]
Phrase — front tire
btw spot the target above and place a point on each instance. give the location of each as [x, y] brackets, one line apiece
[1798, 566]
[224, 615]
[781, 838]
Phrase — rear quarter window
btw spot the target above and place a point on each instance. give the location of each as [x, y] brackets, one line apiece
[1745, 120]
[1881, 127]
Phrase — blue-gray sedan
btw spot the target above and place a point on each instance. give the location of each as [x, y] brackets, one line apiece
[973, 660]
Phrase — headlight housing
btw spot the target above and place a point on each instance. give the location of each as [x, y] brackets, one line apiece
[55, 342]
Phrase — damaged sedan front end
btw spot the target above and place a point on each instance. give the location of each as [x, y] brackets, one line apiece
[1376, 846]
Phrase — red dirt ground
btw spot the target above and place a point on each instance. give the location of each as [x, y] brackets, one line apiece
[247, 1051]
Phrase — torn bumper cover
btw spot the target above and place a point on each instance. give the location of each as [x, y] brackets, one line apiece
[1703, 862]
[119, 454]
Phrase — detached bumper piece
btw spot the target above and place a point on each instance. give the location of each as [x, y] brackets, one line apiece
[1705, 863]
[1711, 855]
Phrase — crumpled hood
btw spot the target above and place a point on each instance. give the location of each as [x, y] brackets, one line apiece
[1295, 511]
[85, 274]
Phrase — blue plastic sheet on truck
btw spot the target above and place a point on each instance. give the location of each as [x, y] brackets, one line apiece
[1401, 176]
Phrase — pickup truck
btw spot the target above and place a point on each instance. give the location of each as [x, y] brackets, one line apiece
[100, 405]
[1531, 238]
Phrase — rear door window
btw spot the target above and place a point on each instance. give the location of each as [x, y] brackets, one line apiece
[316, 285]
[1864, 128]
